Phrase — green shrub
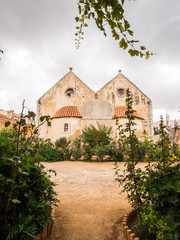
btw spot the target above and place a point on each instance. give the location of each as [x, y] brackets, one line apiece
[96, 136]
[176, 150]
[76, 149]
[63, 146]
[154, 222]
[163, 191]
[61, 142]
[99, 151]
[114, 152]
[76, 153]
[26, 192]
[6, 148]
[154, 192]
[87, 152]
[95, 141]
[53, 155]
[31, 200]
[66, 153]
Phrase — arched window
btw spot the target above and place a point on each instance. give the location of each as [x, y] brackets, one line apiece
[66, 127]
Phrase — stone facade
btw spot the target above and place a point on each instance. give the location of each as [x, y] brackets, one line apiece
[7, 116]
[72, 106]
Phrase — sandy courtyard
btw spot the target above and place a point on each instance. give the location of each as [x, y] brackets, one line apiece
[91, 207]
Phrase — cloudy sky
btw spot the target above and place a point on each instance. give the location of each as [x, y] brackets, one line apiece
[37, 37]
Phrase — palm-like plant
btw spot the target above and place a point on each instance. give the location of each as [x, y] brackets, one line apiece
[97, 136]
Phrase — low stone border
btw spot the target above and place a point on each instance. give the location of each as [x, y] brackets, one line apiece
[47, 230]
[127, 231]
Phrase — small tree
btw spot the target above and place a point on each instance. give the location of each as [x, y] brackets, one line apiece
[164, 144]
[132, 177]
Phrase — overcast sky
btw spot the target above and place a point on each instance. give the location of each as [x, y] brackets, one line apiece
[37, 37]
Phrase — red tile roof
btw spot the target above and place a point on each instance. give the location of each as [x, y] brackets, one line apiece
[68, 111]
[119, 112]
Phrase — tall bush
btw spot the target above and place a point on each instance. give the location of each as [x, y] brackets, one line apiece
[76, 149]
[131, 179]
[26, 192]
[153, 193]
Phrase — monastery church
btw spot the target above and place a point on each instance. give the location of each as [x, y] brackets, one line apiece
[72, 106]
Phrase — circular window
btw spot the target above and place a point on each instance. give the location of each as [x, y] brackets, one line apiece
[120, 92]
[70, 92]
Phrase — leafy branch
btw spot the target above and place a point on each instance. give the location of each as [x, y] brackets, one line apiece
[111, 13]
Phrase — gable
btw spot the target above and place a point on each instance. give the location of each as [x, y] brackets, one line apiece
[115, 92]
[69, 91]
[69, 76]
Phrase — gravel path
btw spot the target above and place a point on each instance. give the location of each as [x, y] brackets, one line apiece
[91, 207]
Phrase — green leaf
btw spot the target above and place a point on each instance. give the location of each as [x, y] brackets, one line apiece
[115, 35]
[42, 118]
[121, 28]
[131, 52]
[77, 19]
[23, 122]
[31, 115]
[79, 7]
[126, 24]
[130, 32]
[15, 201]
[7, 124]
[143, 48]
[123, 44]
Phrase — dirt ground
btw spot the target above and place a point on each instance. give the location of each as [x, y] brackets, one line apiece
[91, 207]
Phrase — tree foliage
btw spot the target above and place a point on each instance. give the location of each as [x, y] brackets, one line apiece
[109, 13]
